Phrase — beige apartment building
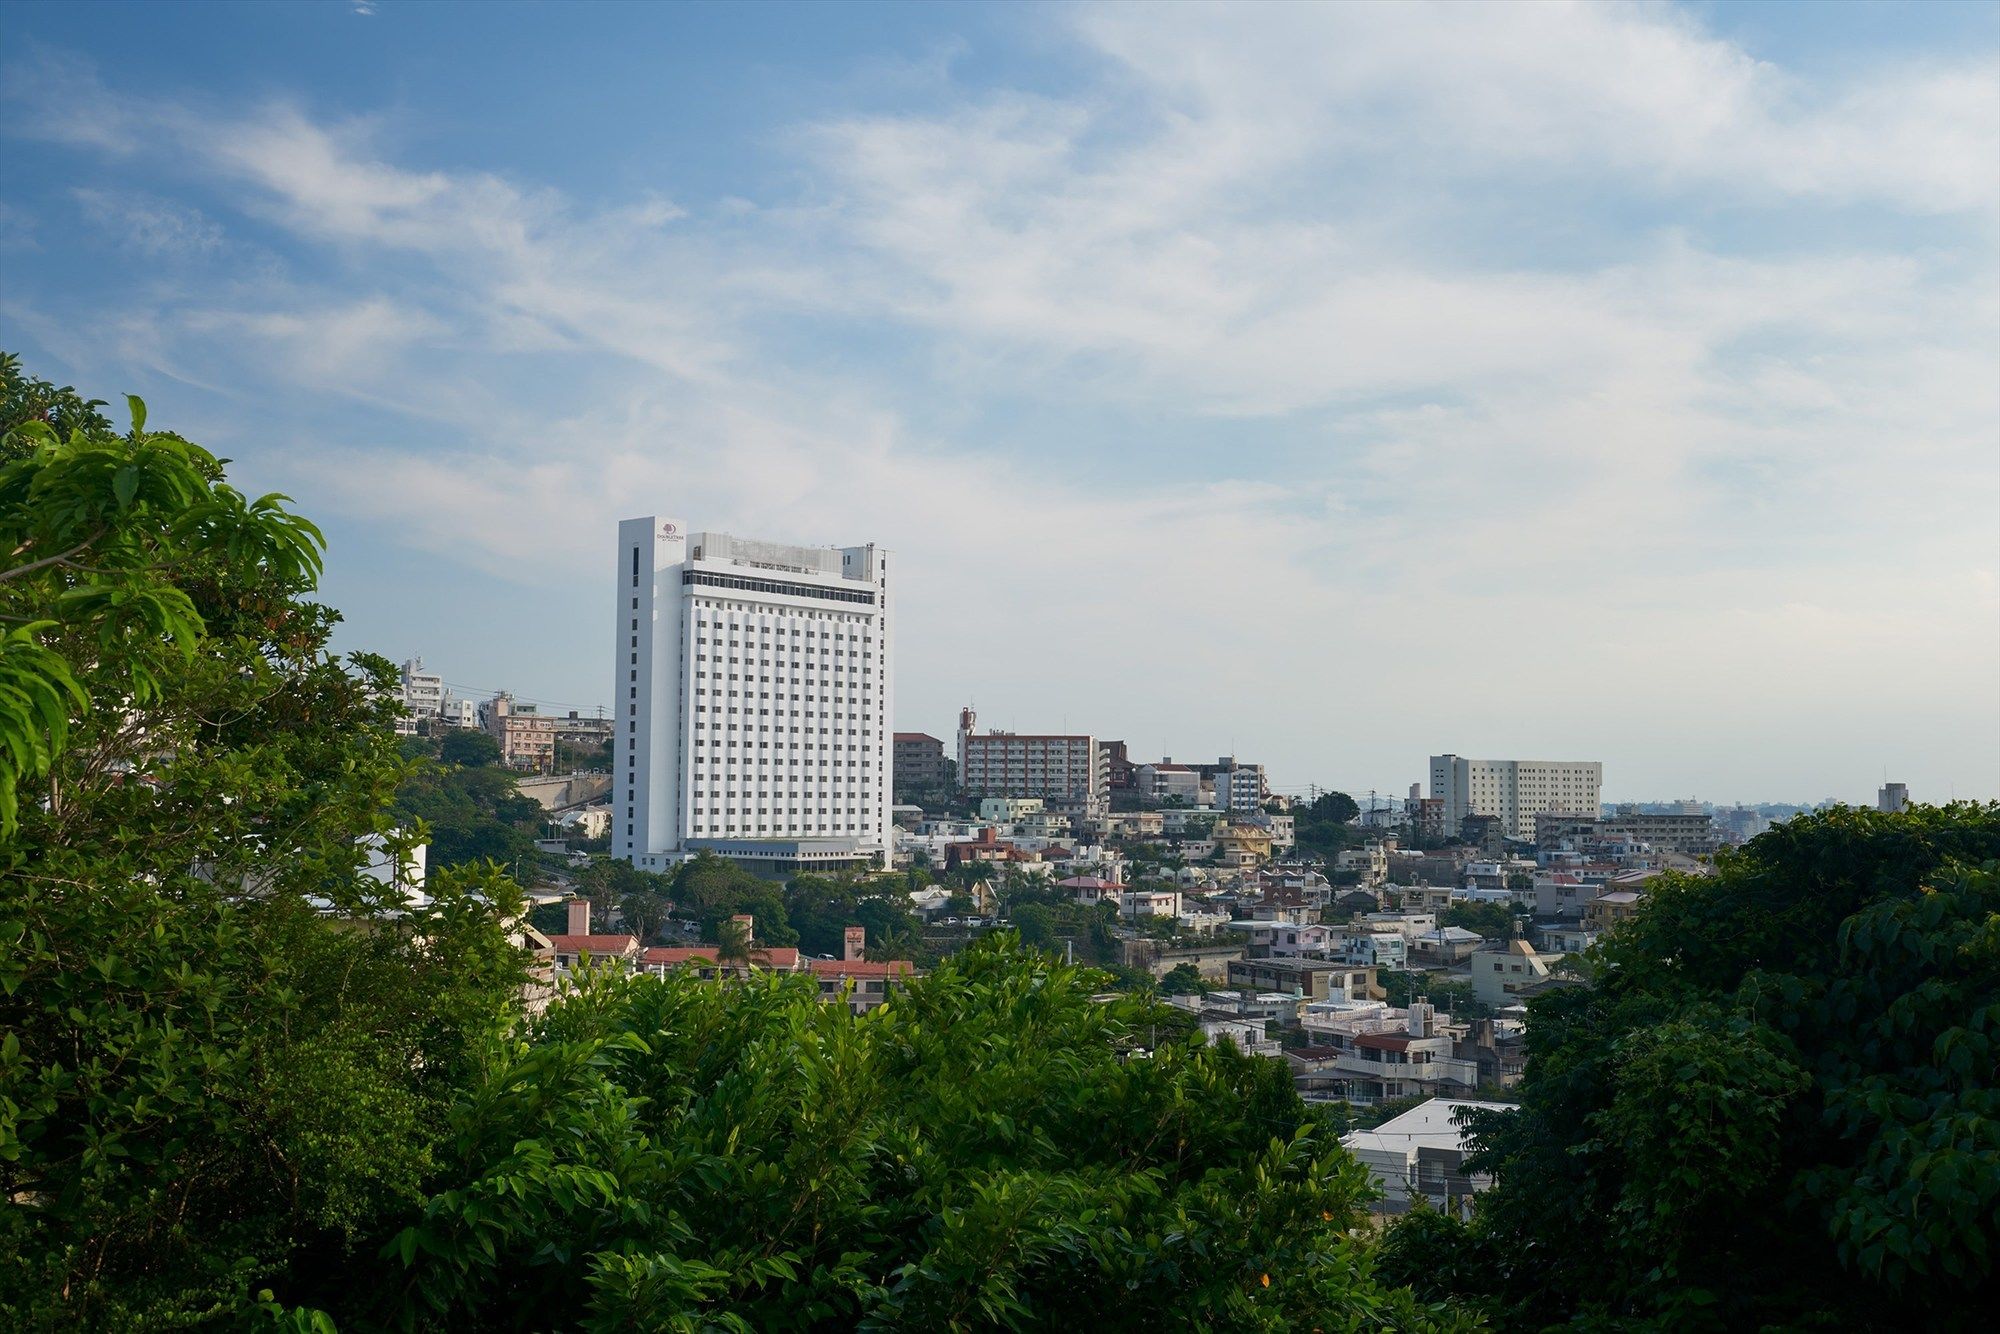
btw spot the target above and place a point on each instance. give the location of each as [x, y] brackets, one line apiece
[527, 738]
[1514, 791]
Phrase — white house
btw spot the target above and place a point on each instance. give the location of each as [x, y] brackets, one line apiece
[1421, 1154]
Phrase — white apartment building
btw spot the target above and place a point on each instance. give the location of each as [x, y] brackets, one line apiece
[423, 696]
[1514, 791]
[753, 697]
[1240, 787]
[1010, 764]
[1893, 799]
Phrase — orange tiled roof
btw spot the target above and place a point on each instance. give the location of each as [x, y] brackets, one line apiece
[601, 946]
[783, 958]
[861, 968]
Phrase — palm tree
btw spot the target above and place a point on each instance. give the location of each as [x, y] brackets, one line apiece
[732, 943]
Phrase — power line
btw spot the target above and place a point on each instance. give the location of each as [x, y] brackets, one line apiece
[526, 699]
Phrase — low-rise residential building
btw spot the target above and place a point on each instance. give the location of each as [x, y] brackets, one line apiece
[1262, 1007]
[1376, 949]
[527, 738]
[1242, 845]
[1134, 824]
[1370, 865]
[1311, 979]
[1507, 975]
[1282, 940]
[1420, 1156]
[1446, 946]
[1609, 909]
[1149, 903]
[1167, 781]
[1009, 810]
[1692, 834]
[1248, 1034]
[1374, 1059]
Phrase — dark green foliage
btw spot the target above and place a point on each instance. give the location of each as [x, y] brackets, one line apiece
[471, 815]
[669, 1154]
[1775, 1105]
[1323, 827]
[713, 889]
[1335, 806]
[1495, 921]
[820, 908]
[469, 747]
[222, 1065]
[1184, 979]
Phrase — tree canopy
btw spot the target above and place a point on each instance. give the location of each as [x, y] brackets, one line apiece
[1775, 1104]
[212, 1078]
[667, 1154]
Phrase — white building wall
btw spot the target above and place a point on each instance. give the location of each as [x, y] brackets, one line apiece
[754, 693]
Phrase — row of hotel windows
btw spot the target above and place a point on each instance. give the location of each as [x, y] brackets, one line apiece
[782, 587]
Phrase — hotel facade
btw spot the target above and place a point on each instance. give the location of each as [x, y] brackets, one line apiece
[754, 691]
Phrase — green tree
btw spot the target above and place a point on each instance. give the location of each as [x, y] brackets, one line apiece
[732, 943]
[645, 914]
[471, 815]
[110, 544]
[1495, 921]
[1335, 807]
[468, 747]
[1776, 1098]
[226, 1046]
[713, 889]
[1184, 979]
[980, 1154]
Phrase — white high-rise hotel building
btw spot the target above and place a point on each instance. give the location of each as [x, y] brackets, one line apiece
[754, 697]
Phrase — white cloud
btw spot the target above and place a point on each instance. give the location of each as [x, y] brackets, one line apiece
[147, 224]
[1481, 493]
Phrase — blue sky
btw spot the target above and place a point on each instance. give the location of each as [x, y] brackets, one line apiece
[1331, 385]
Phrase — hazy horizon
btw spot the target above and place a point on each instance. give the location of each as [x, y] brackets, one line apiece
[1329, 386]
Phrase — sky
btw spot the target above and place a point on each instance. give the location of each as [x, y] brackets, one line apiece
[1330, 386]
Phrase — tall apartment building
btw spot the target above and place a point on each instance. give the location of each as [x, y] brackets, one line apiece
[920, 765]
[1237, 786]
[754, 694]
[423, 696]
[1893, 799]
[1514, 791]
[1010, 764]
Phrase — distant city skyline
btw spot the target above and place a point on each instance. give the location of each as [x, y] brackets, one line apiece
[1614, 382]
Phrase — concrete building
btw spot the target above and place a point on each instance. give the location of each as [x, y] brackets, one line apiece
[921, 768]
[423, 696]
[582, 730]
[527, 738]
[1011, 764]
[1503, 977]
[1237, 786]
[456, 712]
[1513, 791]
[1167, 781]
[1691, 834]
[753, 690]
[1120, 772]
[1420, 1156]
[1893, 799]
